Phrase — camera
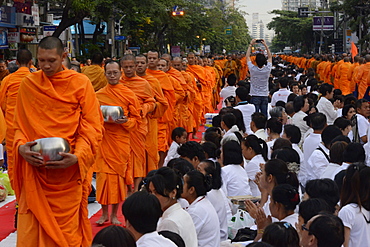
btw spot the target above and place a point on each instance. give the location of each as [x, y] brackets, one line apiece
[259, 40]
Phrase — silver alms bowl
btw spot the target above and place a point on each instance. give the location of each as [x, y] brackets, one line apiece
[50, 147]
[111, 113]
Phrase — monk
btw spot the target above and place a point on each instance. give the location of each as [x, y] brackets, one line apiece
[8, 98]
[230, 67]
[179, 85]
[113, 156]
[143, 92]
[3, 70]
[362, 74]
[344, 83]
[351, 72]
[169, 94]
[244, 67]
[52, 195]
[95, 72]
[187, 110]
[212, 79]
[151, 141]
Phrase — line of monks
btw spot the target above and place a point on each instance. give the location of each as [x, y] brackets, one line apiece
[339, 71]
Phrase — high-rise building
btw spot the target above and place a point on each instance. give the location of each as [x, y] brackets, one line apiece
[255, 26]
[261, 30]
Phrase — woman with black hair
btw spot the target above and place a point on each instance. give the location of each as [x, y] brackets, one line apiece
[204, 216]
[274, 172]
[167, 186]
[234, 177]
[255, 150]
[284, 200]
[281, 234]
[355, 206]
[114, 236]
[216, 196]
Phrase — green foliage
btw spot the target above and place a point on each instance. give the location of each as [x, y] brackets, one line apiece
[290, 30]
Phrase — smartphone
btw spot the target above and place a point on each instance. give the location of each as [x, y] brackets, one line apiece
[259, 40]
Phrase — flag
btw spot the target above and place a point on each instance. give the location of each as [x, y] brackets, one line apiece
[354, 50]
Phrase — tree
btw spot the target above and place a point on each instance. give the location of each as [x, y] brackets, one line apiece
[291, 30]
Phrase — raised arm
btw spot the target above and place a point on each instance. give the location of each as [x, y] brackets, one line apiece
[248, 55]
[269, 55]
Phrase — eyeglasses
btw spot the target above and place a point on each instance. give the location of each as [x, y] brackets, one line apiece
[112, 73]
[304, 228]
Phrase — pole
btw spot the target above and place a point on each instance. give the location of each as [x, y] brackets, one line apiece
[322, 32]
[113, 48]
[360, 32]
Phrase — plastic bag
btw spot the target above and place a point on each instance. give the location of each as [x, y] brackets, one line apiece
[239, 220]
[4, 180]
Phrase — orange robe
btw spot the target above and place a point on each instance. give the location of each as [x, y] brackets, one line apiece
[167, 118]
[143, 92]
[190, 101]
[96, 75]
[2, 126]
[211, 88]
[3, 74]
[151, 141]
[8, 99]
[352, 72]
[344, 83]
[53, 202]
[362, 74]
[111, 164]
[243, 69]
[197, 103]
[178, 82]
[230, 67]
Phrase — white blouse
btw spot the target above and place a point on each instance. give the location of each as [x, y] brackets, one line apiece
[206, 222]
[217, 199]
[177, 220]
[235, 181]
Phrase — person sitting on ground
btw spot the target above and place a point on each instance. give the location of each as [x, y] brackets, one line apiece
[325, 189]
[142, 212]
[229, 89]
[344, 125]
[178, 136]
[204, 216]
[234, 177]
[309, 208]
[274, 128]
[359, 131]
[301, 106]
[258, 125]
[167, 186]
[113, 236]
[281, 234]
[191, 151]
[336, 159]
[228, 124]
[322, 230]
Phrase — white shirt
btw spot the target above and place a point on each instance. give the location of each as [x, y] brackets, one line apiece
[291, 219]
[230, 135]
[259, 79]
[326, 107]
[261, 133]
[172, 153]
[252, 167]
[344, 166]
[329, 171]
[153, 239]
[300, 153]
[177, 220]
[280, 95]
[298, 121]
[235, 181]
[206, 222]
[227, 92]
[317, 163]
[217, 199]
[309, 145]
[362, 125]
[247, 111]
[353, 218]
[270, 144]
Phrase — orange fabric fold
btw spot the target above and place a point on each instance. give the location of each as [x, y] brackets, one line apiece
[96, 75]
[63, 105]
[144, 94]
[151, 141]
[114, 152]
[8, 99]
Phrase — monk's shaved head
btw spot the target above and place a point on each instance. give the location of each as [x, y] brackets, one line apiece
[142, 55]
[50, 43]
[128, 57]
[24, 56]
[367, 58]
[167, 57]
[346, 59]
[177, 59]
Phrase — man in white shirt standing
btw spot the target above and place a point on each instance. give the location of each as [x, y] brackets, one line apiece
[259, 77]
[142, 212]
[229, 89]
[283, 92]
[317, 123]
[325, 106]
[246, 108]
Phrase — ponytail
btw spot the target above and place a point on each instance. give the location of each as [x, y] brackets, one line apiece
[201, 183]
[258, 145]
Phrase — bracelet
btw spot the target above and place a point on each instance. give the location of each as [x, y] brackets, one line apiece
[260, 231]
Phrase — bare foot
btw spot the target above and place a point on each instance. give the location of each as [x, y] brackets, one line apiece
[115, 221]
[102, 220]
